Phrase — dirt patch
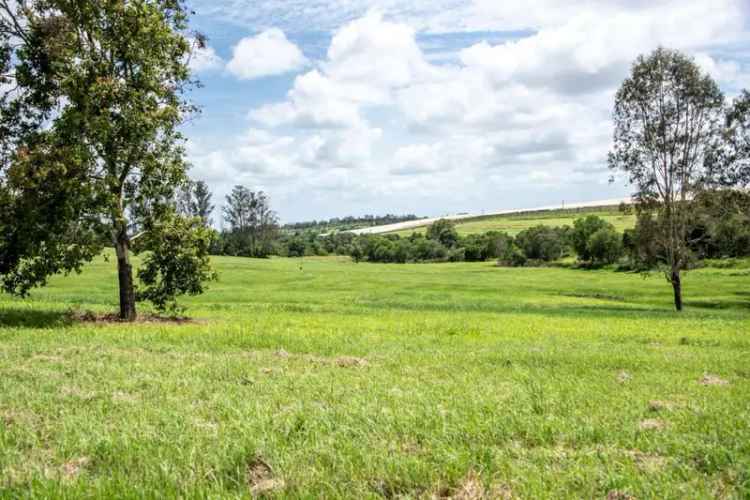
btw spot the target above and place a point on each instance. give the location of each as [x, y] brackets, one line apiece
[261, 479]
[74, 467]
[651, 424]
[472, 488]
[623, 377]
[647, 461]
[282, 353]
[712, 380]
[349, 362]
[656, 405]
[112, 318]
[619, 495]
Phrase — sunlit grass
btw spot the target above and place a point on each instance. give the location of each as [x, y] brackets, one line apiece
[321, 378]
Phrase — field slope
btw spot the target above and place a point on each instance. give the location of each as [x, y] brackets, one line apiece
[327, 379]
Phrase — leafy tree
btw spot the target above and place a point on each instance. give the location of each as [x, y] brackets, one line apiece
[728, 161]
[444, 232]
[175, 260]
[92, 153]
[201, 205]
[542, 243]
[667, 116]
[604, 246]
[583, 229]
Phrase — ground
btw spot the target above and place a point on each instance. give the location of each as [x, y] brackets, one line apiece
[321, 378]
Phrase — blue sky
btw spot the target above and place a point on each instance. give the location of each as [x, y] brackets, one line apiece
[347, 107]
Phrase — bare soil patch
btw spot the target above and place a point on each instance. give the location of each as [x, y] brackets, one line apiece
[708, 379]
[112, 318]
[652, 424]
[261, 478]
[74, 467]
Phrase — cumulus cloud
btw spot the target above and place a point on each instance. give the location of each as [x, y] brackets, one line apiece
[266, 54]
[493, 127]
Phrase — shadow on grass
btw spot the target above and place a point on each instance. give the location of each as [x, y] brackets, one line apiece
[29, 318]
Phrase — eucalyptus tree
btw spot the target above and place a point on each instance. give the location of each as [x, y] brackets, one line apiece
[668, 117]
[92, 148]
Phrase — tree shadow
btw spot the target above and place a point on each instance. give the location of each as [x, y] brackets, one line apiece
[29, 318]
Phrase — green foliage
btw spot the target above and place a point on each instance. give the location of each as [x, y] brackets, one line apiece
[580, 236]
[604, 246]
[100, 98]
[444, 232]
[542, 243]
[175, 261]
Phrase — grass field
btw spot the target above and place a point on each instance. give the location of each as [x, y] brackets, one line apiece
[514, 224]
[328, 379]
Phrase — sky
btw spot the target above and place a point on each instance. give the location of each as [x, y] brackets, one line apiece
[432, 107]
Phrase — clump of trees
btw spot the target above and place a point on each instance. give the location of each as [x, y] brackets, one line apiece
[92, 155]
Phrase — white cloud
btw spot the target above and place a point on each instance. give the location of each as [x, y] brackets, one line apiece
[204, 59]
[522, 123]
[266, 54]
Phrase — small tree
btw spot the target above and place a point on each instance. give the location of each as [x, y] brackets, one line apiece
[202, 206]
[251, 220]
[666, 120]
[583, 229]
[604, 246]
[444, 232]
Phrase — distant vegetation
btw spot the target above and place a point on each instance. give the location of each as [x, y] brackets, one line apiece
[349, 223]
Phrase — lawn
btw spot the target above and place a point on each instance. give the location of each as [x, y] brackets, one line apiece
[514, 224]
[327, 379]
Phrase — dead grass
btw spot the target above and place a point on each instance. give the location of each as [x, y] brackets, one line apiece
[652, 424]
[261, 478]
[708, 379]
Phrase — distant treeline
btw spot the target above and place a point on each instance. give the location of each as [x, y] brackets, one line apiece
[350, 222]
[721, 229]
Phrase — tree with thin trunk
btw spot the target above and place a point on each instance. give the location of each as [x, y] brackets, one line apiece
[251, 220]
[201, 205]
[92, 151]
[667, 120]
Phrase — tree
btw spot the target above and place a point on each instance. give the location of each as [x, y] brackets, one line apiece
[92, 154]
[728, 161]
[541, 243]
[201, 204]
[667, 116]
[444, 232]
[604, 246]
[583, 229]
[251, 220]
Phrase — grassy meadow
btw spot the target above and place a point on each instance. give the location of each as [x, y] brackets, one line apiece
[515, 223]
[321, 378]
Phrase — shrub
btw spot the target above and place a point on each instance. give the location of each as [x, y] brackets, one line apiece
[444, 232]
[604, 246]
[583, 229]
[541, 243]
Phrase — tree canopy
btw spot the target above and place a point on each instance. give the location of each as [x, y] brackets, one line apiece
[91, 132]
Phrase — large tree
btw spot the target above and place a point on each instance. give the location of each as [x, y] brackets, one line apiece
[667, 120]
[92, 153]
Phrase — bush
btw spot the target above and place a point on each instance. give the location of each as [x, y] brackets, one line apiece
[541, 243]
[444, 232]
[583, 229]
[604, 246]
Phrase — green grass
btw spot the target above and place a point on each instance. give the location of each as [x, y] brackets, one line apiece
[514, 224]
[366, 381]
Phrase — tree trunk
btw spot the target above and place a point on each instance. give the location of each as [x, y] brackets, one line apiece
[125, 278]
[677, 286]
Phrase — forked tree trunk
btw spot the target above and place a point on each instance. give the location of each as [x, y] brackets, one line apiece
[677, 287]
[125, 278]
